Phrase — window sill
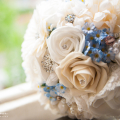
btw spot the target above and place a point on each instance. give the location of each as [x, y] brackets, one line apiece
[21, 103]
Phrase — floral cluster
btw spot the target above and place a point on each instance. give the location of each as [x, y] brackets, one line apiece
[95, 44]
[53, 92]
[72, 50]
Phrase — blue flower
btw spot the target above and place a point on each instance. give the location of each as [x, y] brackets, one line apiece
[95, 44]
[60, 88]
[88, 28]
[109, 56]
[97, 55]
[88, 51]
[48, 26]
[100, 35]
[82, 1]
[90, 37]
[48, 88]
[87, 45]
[107, 31]
[102, 42]
[103, 48]
[50, 97]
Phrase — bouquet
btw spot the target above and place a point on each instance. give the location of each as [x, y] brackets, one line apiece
[71, 51]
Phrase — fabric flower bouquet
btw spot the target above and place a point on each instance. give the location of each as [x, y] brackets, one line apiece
[72, 51]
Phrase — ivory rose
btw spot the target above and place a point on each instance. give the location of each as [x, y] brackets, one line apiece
[81, 75]
[64, 40]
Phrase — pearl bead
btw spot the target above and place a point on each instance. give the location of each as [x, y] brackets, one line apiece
[64, 46]
[116, 50]
[72, 110]
[63, 108]
[115, 45]
[119, 42]
[110, 48]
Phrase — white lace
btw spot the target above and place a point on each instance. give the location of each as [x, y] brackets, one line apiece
[113, 82]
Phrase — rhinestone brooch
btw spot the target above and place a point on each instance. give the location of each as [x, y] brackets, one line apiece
[70, 18]
[47, 63]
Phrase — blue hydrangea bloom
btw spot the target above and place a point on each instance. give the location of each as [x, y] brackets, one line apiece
[100, 35]
[97, 55]
[50, 97]
[109, 56]
[88, 51]
[48, 88]
[60, 88]
[87, 45]
[88, 28]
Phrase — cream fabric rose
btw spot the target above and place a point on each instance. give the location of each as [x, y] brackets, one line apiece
[81, 75]
[64, 40]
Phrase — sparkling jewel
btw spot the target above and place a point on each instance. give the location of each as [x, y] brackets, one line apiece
[70, 18]
[115, 45]
[82, 82]
[64, 46]
[116, 50]
[47, 63]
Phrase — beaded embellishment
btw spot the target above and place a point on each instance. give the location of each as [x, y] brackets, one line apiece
[70, 18]
[47, 63]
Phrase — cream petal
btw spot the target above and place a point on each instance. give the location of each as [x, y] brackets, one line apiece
[62, 35]
[105, 5]
[94, 9]
[52, 79]
[79, 67]
[99, 16]
[63, 79]
[79, 21]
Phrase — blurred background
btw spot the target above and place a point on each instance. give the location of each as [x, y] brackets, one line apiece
[14, 18]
